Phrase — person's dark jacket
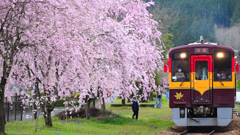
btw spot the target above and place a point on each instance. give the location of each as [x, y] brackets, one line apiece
[135, 105]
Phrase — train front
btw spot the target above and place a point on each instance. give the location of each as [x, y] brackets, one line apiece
[202, 84]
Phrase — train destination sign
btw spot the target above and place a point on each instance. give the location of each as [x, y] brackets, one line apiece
[200, 50]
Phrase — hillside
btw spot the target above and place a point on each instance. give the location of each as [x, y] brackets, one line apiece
[188, 19]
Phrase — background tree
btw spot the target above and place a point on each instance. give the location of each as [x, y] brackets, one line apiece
[235, 20]
[229, 36]
[167, 44]
[187, 20]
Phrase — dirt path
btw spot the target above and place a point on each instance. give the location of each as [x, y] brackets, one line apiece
[232, 129]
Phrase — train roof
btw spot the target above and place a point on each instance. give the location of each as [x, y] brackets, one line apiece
[191, 47]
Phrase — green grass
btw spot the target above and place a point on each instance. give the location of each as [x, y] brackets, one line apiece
[237, 107]
[150, 121]
[238, 84]
[145, 112]
[119, 101]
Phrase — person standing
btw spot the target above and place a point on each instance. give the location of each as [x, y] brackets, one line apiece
[158, 96]
[135, 107]
[167, 91]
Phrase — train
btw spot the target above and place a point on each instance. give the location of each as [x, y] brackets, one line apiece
[202, 84]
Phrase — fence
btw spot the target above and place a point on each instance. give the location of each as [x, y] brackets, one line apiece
[13, 111]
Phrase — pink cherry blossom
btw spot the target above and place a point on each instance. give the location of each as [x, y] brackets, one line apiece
[60, 48]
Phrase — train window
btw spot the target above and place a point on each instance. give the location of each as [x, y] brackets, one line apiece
[201, 70]
[180, 66]
[222, 65]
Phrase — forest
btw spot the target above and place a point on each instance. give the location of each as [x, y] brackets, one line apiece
[186, 20]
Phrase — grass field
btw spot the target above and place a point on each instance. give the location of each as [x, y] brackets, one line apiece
[150, 121]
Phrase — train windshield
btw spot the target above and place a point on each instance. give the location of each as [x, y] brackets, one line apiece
[180, 66]
[201, 69]
[222, 65]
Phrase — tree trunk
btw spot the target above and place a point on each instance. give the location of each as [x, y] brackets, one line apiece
[2, 115]
[128, 100]
[2, 112]
[87, 109]
[48, 118]
[103, 107]
[45, 109]
[34, 105]
[123, 102]
[49, 109]
[94, 100]
[151, 96]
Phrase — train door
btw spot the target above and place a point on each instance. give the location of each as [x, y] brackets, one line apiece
[201, 79]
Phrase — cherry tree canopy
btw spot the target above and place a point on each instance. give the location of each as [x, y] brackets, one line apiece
[82, 46]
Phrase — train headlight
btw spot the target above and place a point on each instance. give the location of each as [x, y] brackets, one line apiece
[183, 55]
[220, 55]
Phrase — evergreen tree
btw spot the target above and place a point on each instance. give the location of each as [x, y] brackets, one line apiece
[236, 14]
[188, 19]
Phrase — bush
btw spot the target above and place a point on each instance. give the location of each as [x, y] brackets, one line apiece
[59, 103]
[74, 96]
[154, 94]
[164, 99]
[94, 112]
[124, 107]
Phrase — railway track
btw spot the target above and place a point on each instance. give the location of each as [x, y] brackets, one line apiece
[184, 132]
[212, 131]
[204, 130]
[232, 128]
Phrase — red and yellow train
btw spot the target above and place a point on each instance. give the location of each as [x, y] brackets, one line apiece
[202, 84]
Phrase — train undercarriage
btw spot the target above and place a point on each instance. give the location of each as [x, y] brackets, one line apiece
[202, 116]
